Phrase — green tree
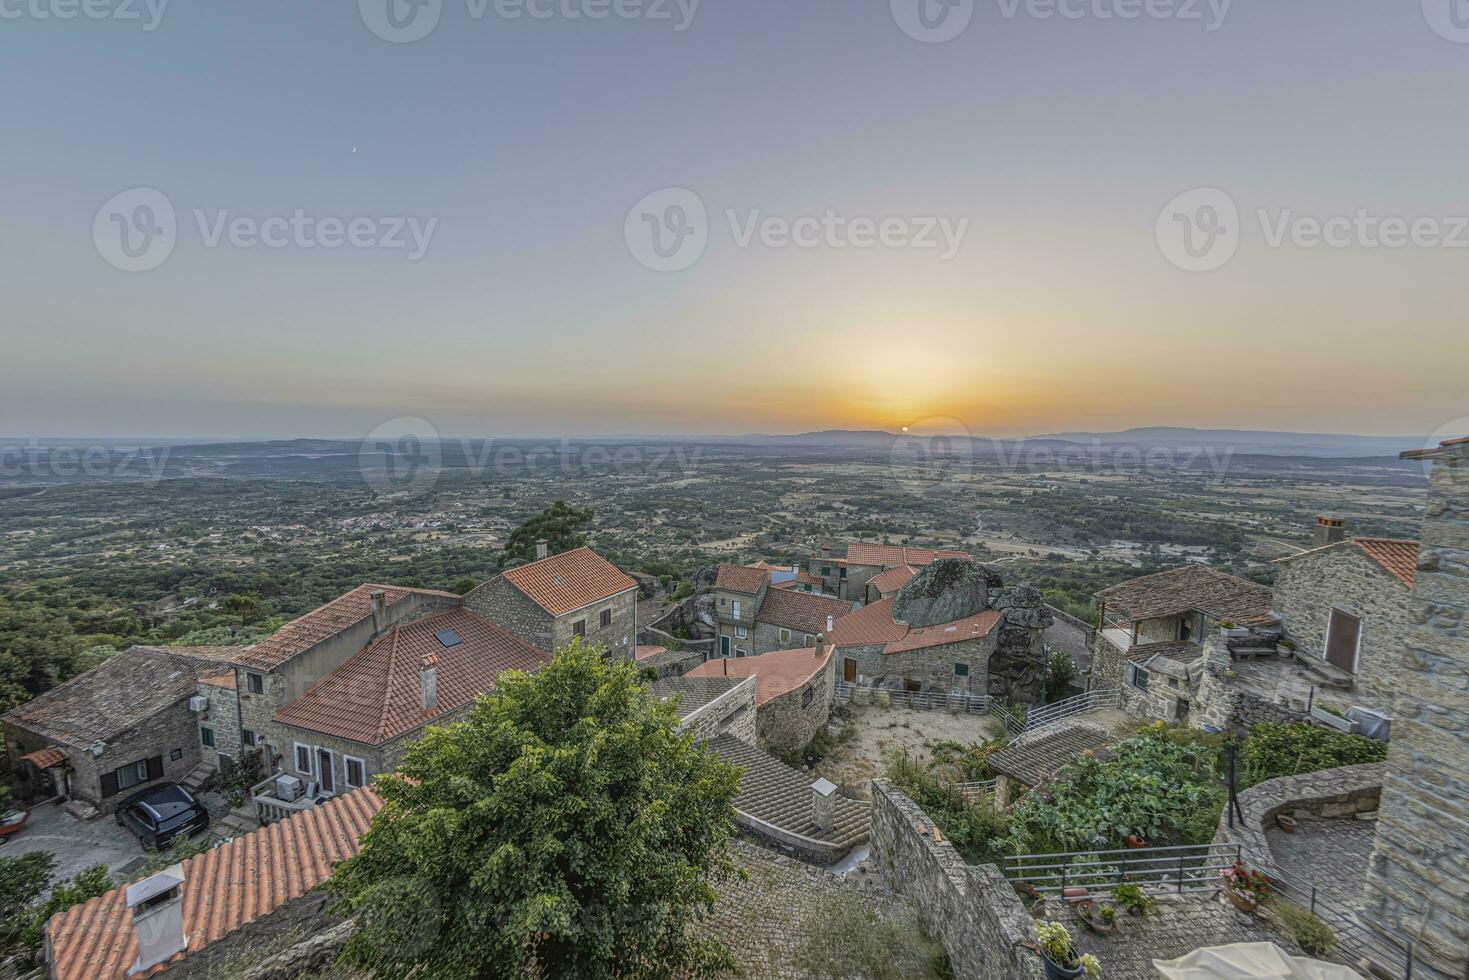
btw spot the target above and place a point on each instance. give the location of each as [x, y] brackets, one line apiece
[561, 525]
[23, 916]
[1060, 672]
[566, 828]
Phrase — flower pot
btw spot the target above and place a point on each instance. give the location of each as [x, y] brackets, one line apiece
[1287, 824]
[1075, 893]
[1093, 920]
[1055, 971]
[1136, 842]
[1241, 901]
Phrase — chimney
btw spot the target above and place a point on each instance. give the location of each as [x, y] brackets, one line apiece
[379, 611]
[823, 804]
[826, 551]
[542, 546]
[1329, 530]
[428, 682]
[157, 907]
[820, 645]
[828, 624]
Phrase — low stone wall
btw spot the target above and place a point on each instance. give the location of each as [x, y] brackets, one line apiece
[972, 911]
[733, 713]
[788, 722]
[1322, 795]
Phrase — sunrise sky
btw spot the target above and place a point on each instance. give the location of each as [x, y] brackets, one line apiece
[528, 142]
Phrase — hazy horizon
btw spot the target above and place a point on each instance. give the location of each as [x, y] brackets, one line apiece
[519, 159]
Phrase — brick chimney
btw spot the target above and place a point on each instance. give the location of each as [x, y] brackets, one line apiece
[542, 548]
[823, 804]
[379, 611]
[157, 907]
[1329, 530]
[428, 682]
[820, 645]
[826, 551]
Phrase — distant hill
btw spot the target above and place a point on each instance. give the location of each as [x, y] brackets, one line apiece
[1248, 441]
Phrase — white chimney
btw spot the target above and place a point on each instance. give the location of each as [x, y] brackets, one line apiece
[428, 682]
[379, 611]
[542, 547]
[823, 804]
[157, 907]
[820, 645]
[828, 624]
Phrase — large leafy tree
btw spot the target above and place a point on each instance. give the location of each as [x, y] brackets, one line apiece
[566, 828]
[561, 525]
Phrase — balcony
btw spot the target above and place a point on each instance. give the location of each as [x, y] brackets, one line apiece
[269, 806]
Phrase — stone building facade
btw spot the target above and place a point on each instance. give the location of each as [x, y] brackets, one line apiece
[1313, 588]
[609, 621]
[961, 667]
[737, 595]
[1418, 876]
[219, 722]
[787, 722]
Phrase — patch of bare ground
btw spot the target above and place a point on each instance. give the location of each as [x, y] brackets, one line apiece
[855, 758]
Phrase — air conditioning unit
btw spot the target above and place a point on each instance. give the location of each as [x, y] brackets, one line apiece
[288, 788]
[198, 704]
[1373, 724]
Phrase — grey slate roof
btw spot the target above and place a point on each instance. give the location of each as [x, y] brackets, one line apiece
[773, 792]
[1032, 762]
[692, 693]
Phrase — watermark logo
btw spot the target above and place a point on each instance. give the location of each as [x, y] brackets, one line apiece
[668, 230]
[1453, 429]
[929, 453]
[136, 230]
[148, 12]
[1210, 13]
[402, 455]
[1448, 18]
[34, 460]
[1199, 230]
[401, 21]
[932, 21]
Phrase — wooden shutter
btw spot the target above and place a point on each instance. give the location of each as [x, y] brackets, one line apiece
[155, 767]
[109, 784]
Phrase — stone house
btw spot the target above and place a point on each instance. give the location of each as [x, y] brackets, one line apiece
[1348, 603]
[753, 616]
[794, 693]
[357, 722]
[887, 584]
[550, 601]
[711, 706]
[119, 728]
[738, 592]
[846, 575]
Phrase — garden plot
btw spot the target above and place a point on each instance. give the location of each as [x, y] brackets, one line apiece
[855, 758]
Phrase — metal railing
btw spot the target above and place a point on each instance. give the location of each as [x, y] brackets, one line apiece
[268, 807]
[1181, 869]
[975, 790]
[1049, 714]
[922, 700]
[1355, 940]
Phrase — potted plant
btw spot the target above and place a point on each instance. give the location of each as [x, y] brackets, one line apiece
[1286, 647]
[1102, 921]
[1135, 842]
[1244, 888]
[1062, 960]
[1132, 898]
[1287, 823]
[1225, 626]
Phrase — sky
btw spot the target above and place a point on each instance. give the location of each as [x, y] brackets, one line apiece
[1004, 216]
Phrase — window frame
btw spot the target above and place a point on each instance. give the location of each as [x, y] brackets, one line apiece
[785, 635]
[296, 748]
[579, 627]
[741, 633]
[347, 783]
[605, 618]
[958, 672]
[254, 683]
[206, 737]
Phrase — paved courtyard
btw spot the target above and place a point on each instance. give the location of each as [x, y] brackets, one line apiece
[1331, 853]
[77, 844]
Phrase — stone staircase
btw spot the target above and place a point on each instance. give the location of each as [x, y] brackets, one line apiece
[239, 821]
[198, 776]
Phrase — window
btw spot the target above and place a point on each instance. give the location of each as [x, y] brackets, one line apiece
[741, 652]
[735, 607]
[579, 628]
[724, 646]
[206, 735]
[130, 775]
[448, 638]
[826, 571]
[249, 737]
[785, 635]
[842, 572]
[741, 633]
[255, 683]
[356, 772]
[807, 696]
[303, 759]
[961, 670]
[1137, 677]
[606, 618]
[175, 755]
[810, 640]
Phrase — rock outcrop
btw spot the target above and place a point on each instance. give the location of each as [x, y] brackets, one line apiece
[947, 590]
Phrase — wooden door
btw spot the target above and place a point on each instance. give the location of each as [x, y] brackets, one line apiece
[1342, 634]
[849, 670]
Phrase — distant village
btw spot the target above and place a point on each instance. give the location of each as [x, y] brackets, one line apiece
[1360, 635]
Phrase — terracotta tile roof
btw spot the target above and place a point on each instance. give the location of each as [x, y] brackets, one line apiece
[740, 578]
[376, 695]
[645, 650]
[1178, 590]
[801, 610]
[45, 758]
[570, 580]
[775, 673]
[1397, 556]
[123, 691]
[224, 678]
[1032, 762]
[224, 889]
[325, 622]
[892, 580]
[863, 553]
[873, 626]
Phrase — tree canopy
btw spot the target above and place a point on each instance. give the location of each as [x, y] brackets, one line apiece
[565, 828]
[561, 525]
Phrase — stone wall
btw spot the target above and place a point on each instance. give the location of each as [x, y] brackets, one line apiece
[502, 603]
[788, 722]
[223, 719]
[766, 637]
[1418, 878]
[619, 638]
[932, 667]
[733, 713]
[174, 729]
[1309, 586]
[1327, 794]
[972, 911]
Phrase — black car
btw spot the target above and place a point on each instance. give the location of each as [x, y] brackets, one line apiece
[161, 815]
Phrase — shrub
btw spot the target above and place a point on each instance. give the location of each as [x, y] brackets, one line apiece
[1274, 749]
[1060, 672]
[975, 827]
[1314, 936]
[847, 939]
[1131, 897]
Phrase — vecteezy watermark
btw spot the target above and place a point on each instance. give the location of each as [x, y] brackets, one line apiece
[668, 230]
[929, 453]
[406, 21]
[137, 230]
[1452, 429]
[402, 455]
[40, 461]
[936, 21]
[1448, 18]
[149, 13]
[1200, 230]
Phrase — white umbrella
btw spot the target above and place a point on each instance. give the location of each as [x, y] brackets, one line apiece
[1250, 961]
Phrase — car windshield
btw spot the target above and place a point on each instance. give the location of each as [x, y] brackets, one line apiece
[167, 804]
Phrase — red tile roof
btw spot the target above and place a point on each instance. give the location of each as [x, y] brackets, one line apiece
[864, 553]
[45, 758]
[570, 580]
[224, 889]
[646, 650]
[874, 626]
[741, 578]
[1397, 556]
[774, 673]
[376, 695]
[801, 610]
[892, 580]
[1187, 587]
[325, 622]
